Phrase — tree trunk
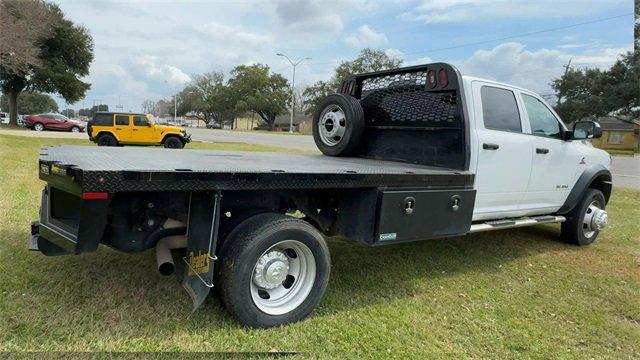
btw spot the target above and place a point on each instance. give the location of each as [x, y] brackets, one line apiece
[13, 107]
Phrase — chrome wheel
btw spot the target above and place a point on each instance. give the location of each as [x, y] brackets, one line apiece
[595, 219]
[283, 277]
[38, 127]
[332, 125]
[75, 129]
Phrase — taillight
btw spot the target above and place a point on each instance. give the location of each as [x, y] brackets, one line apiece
[431, 78]
[443, 78]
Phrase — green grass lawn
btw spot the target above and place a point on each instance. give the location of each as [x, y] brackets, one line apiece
[514, 293]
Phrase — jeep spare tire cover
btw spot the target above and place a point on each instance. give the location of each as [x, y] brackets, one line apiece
[338, 124]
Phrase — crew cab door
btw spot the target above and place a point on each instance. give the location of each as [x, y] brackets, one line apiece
[122, 127]
[555, 162]
[503, 152]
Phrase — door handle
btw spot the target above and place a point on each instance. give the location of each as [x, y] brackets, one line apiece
[490, 146]
[118, 128]
[542, 151]
[134, 129]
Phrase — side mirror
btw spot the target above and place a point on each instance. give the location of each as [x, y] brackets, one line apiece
[586, 130]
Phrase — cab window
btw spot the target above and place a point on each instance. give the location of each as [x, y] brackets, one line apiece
[499, 109]
[102, 120]
[541, 119]
[122, 120]
[139, 120]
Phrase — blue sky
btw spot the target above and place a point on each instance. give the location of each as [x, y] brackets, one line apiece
[147, 49]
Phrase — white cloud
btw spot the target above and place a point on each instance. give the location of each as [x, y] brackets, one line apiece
[232, 34]
[394, 53]
[441, 11]
[150, 69]
[365, 36]
[512, 63]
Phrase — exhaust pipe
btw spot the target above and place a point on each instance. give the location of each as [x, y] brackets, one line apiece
[164, 246]
[166, 266]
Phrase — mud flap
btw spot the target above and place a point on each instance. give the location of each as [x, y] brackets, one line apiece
[202, 235]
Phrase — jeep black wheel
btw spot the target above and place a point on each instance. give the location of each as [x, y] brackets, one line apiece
[586, 220]
[274, 270]
[173, 142]
[338, 124]
[107, 140]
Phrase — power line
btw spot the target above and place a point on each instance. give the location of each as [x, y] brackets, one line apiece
[509, 37]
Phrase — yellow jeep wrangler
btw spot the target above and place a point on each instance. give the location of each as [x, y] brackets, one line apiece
[114, 129]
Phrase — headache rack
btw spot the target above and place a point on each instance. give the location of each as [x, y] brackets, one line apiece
[414, 114]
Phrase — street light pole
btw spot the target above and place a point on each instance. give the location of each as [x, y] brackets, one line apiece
[293, 84]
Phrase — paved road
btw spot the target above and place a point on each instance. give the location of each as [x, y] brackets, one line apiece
[625, 169]
[304, 142]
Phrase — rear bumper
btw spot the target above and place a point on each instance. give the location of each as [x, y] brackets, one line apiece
[49, 237]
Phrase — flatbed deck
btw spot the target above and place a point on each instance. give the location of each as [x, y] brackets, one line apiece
[154, 169]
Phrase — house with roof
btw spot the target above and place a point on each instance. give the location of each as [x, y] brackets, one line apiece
[618, 133]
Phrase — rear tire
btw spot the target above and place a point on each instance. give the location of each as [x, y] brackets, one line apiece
[107, 140]
[578, 228]
[173, 142]
[338, 124]
[274, 270]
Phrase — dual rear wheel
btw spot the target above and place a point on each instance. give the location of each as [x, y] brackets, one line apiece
[274, 270]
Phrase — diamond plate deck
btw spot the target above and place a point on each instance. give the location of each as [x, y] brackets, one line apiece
[153, 169]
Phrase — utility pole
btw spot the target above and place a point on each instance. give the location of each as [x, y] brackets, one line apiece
[293, 86]
[567, 67]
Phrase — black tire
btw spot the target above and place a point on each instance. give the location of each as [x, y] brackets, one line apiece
[572, 229]
[173, 142]
[75, 129]
[338, 145]
[246, 245]
[106, 140]
[39, 127]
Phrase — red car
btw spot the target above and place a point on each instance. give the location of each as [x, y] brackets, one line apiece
[53, 122]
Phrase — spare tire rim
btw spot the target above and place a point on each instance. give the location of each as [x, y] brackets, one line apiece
[283, 277]
[594, 220]
[332, 125]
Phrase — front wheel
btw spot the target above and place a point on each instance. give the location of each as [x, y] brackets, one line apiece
[586, 220]
[38, 127]
[75, 129]
[275, 269]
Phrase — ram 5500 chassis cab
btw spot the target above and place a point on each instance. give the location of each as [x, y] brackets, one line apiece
[418, 153]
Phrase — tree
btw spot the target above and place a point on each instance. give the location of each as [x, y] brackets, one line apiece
[149, 107]
[50, 59]
[594, 92]
[254, 88]
[31, 103]
[68, 112]
[210, 98]
[368, 60]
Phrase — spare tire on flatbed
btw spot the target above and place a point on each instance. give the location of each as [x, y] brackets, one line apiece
[338, 124]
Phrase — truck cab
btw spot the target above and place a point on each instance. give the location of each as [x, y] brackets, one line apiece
[525, 159]
[113, 129]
